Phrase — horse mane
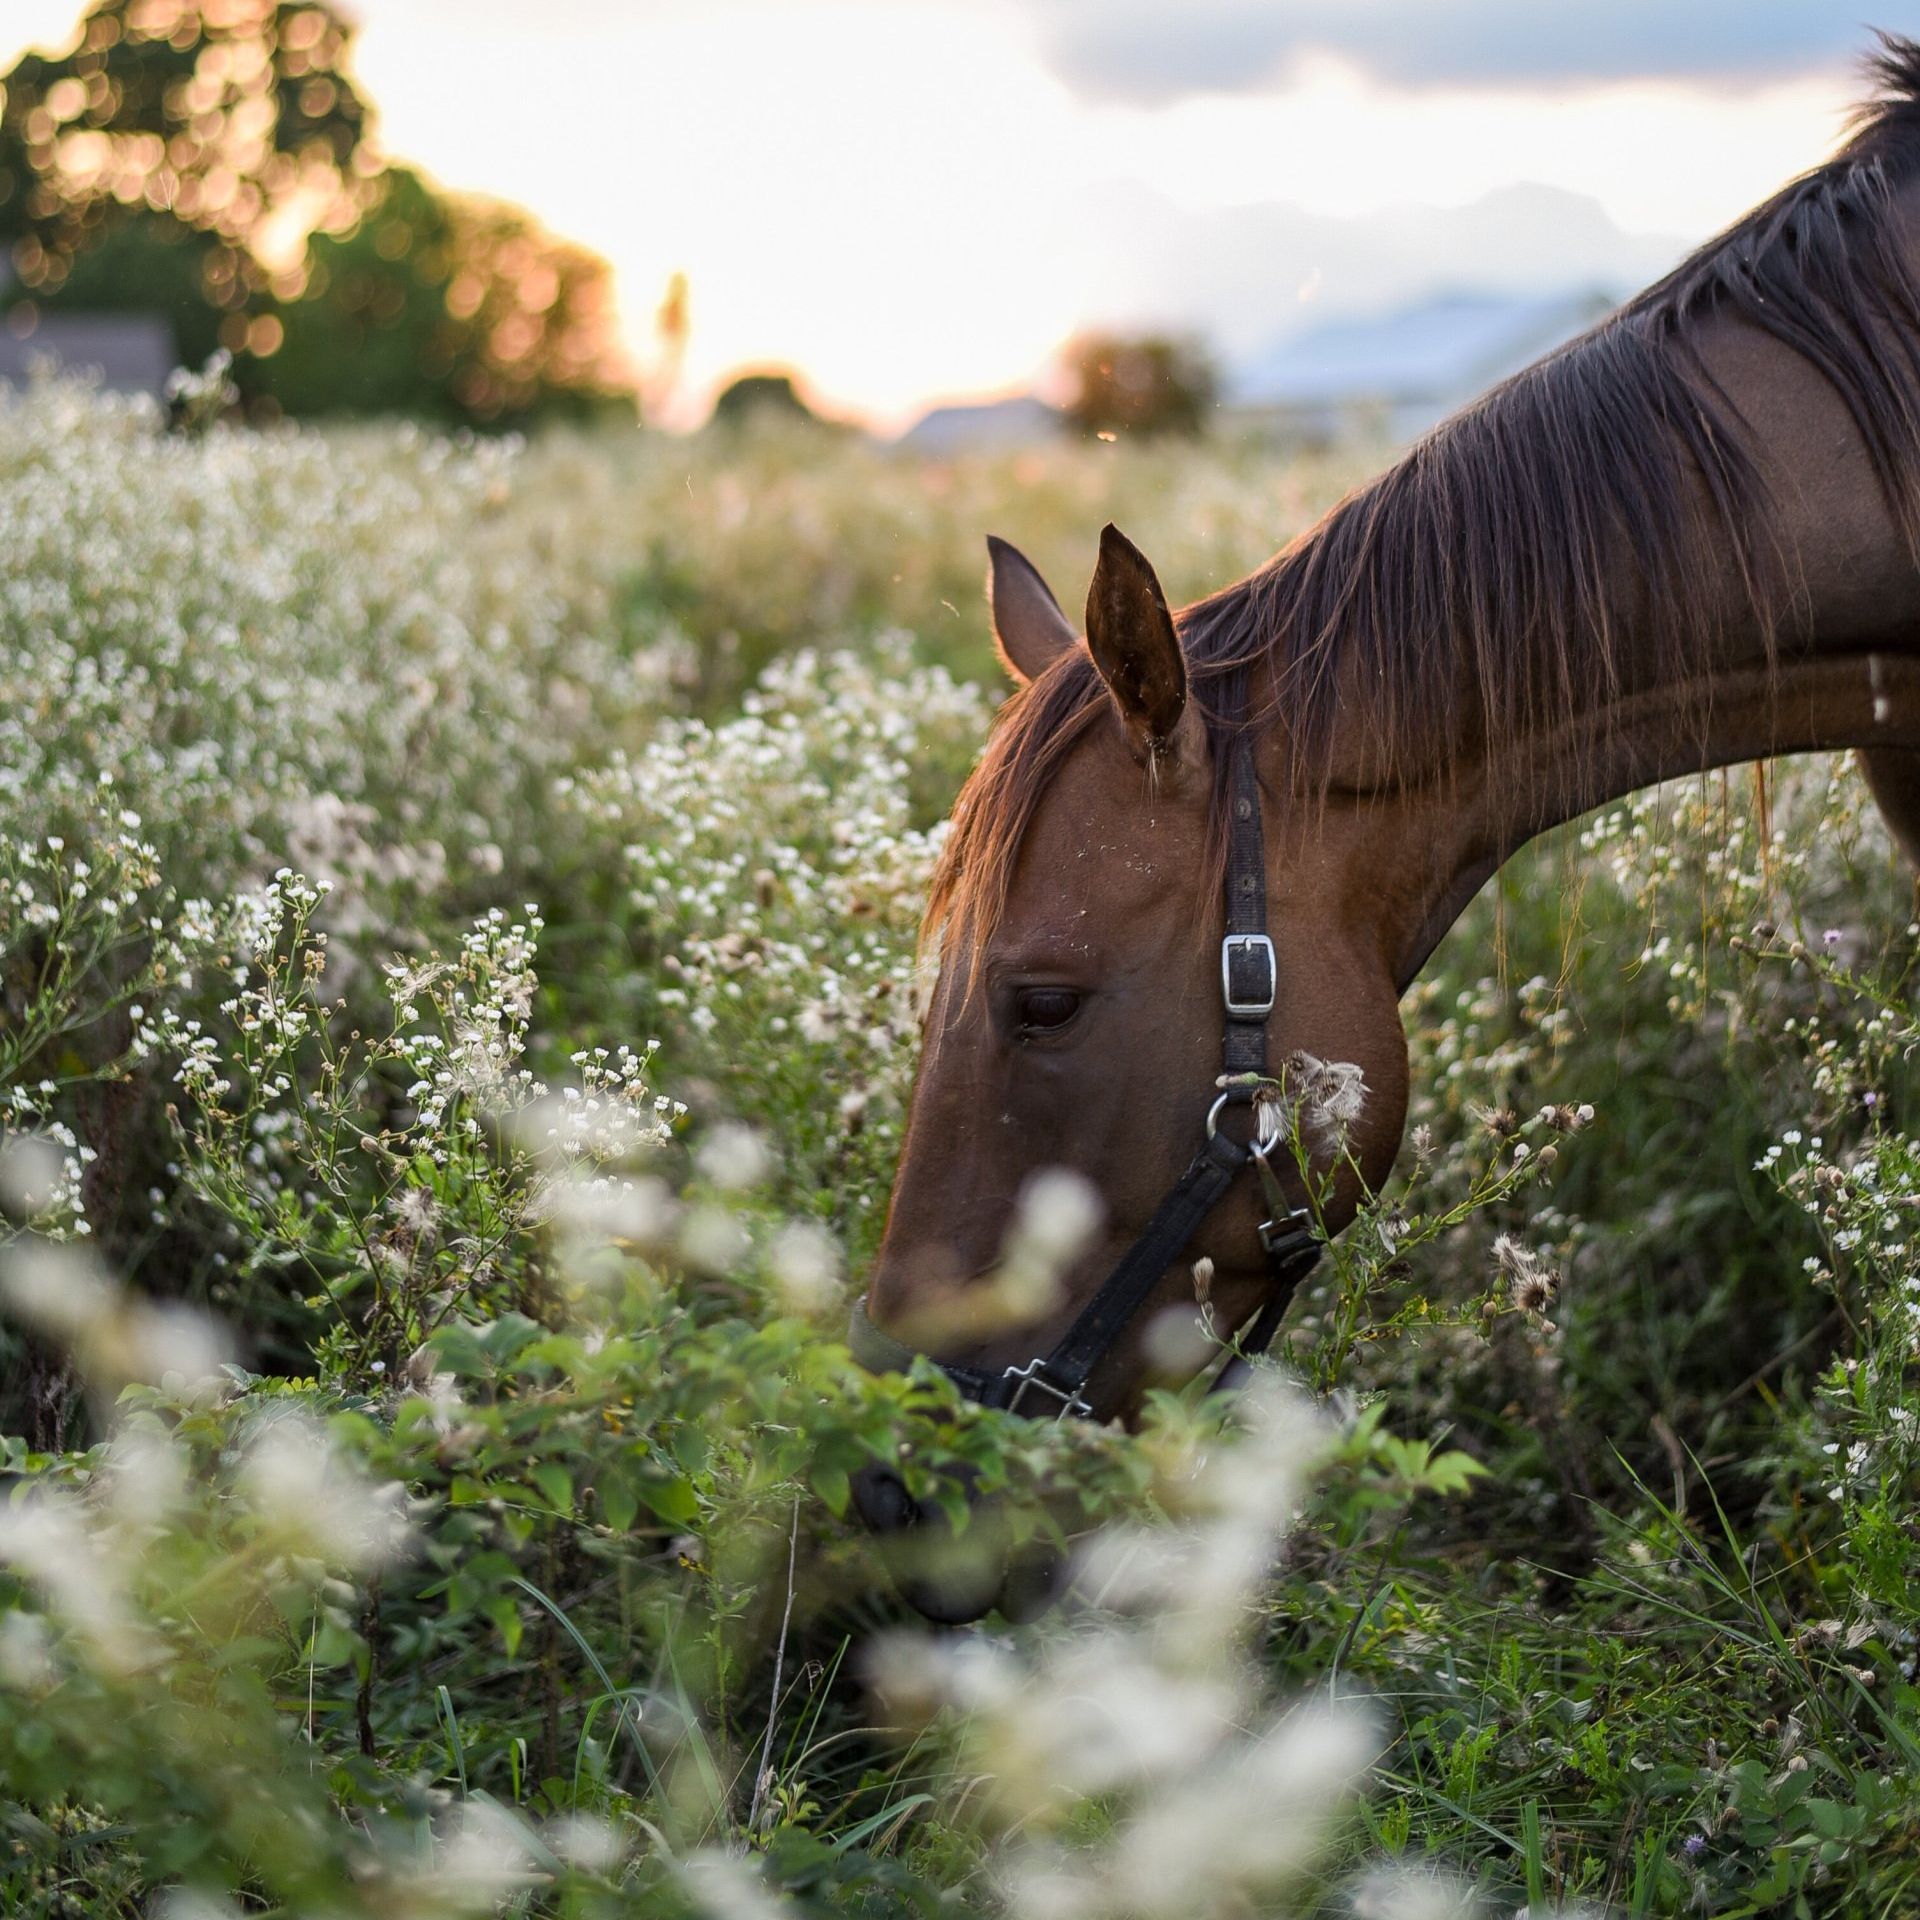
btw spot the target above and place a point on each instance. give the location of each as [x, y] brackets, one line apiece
[1479, 570]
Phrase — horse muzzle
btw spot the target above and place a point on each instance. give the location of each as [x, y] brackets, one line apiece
[954, 1576]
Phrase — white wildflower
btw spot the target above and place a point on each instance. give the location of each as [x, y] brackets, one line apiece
[47, 1541]
[1319, 1100]
[182, 1903]
[642, 1213]
[1059, 1214]
[734, 1156]
[145, 1476]
[114, 1336]
[726, 1887]
[33, 1175]
[315, 1502]
[712, 1240]
[592, 1845]
[1178, 1342]
[1413, 1893]
[485, 1858]
[1257, 1813]
[806, 1263]
[417, 1210]
[26, 1652]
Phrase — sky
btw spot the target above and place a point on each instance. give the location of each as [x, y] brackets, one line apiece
[917, 199]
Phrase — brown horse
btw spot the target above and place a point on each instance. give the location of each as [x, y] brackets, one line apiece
[1687, 539]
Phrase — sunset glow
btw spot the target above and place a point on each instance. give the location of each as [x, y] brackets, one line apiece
[906, 202]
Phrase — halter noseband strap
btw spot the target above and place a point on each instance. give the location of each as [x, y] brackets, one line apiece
[1056, 1382]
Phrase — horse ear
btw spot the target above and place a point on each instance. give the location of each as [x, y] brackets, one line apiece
[1131, 636]
[1028, 627]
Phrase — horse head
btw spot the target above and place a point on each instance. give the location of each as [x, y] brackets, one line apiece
[1075, 995]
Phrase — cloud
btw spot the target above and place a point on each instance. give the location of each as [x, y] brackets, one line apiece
[1147, 52]
[1246, 277]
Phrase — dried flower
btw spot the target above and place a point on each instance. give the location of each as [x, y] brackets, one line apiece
[1203, 1280]
[417, 1210]
[1531, 1282]
[1331, 1094]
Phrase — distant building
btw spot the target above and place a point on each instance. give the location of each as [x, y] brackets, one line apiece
[983, 427]
[1400, 372]
[127, 352]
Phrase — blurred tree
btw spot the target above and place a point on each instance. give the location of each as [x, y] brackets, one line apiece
[751, 395]
[450, 306]
[151, 263]
[1147, 383]
[211, 160]
[234, 118]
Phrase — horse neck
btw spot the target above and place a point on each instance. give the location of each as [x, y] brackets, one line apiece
[1831, 662]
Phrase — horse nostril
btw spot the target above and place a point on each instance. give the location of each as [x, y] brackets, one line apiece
[950, 1579]
[1036, 1578]
[882, 1500]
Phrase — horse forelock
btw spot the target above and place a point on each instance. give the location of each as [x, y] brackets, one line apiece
[1036, 728]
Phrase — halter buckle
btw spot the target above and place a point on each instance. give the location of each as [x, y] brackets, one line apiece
[1248, 999]
[1286, 1233]
[1033, 1374]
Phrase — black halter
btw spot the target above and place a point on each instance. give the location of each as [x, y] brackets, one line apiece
[1248, 984]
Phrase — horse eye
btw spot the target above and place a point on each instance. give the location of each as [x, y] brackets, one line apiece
[1046, 1009]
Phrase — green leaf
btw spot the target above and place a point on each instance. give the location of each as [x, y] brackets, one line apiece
[1833, 1820]
[337, 1646]
[556, 1483]
[1453, 1472]
[619, 1504]
[673, 1500]
[506, 1616]
[831, 1484]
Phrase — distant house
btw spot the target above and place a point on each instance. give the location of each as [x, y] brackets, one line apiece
[127, 352]
[1401, 372]
[982, 427]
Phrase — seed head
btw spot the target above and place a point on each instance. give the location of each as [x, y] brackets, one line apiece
[1203, 1279]
[1531, 1282]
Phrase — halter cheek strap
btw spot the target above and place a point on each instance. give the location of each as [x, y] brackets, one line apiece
[1055, 1383]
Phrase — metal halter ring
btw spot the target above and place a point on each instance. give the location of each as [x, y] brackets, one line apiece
[1251, 1095]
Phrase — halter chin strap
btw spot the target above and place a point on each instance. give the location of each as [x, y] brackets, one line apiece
[1055, 1383]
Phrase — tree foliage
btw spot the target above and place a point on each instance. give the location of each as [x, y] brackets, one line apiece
[233, 117]
[152, 263]
[212, 161]
[451, 306]
[1147, 383]
[752, 396]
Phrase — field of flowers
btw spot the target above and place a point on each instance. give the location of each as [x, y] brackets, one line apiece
[456, 921]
